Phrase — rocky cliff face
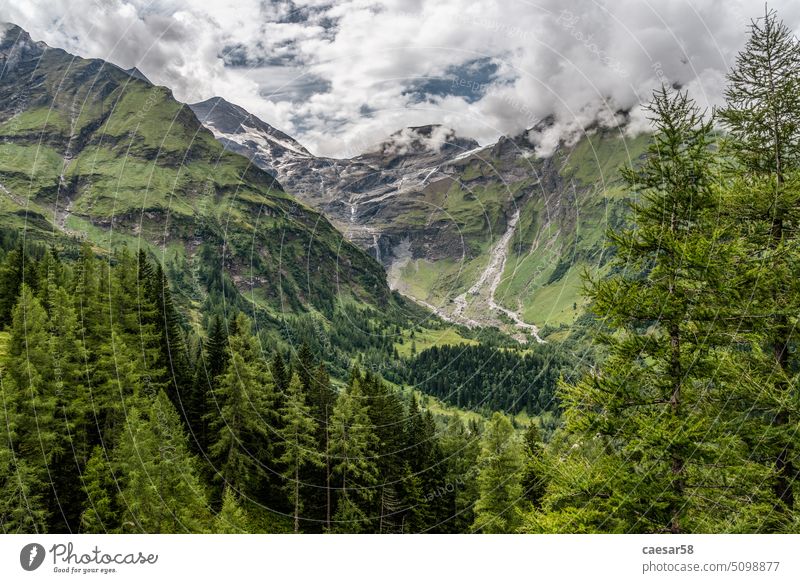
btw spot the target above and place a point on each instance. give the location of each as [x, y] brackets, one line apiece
[363, 196]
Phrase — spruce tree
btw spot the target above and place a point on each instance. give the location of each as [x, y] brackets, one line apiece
[90, 302]
[160, 488]
[231, 518]
[11, 279]
[30, 404]
[500, 466]
[353, 444]
[762, 120]
[651, 424]
[173, 345]
[279, 373]
[115, 386]
[149, 334]
[304, 368]
[216, 347]
[533, 480]
[460, 448]
[101, 511]
[416, 516]
[240, 421]
[212, 360]
[320, 496]
[387, 416]
[71, 420]
[298, 443]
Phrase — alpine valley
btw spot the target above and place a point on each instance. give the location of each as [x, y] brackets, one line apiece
[207, 328]
[492, 235]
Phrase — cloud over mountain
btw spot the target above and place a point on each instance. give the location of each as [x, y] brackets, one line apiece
[341, 76]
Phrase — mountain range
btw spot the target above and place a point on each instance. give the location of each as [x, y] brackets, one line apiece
[483, 235]
[492, 235]
[91, 151]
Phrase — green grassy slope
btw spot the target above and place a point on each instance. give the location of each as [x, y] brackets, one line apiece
[554, 247]
[566, 202]
[86, 150]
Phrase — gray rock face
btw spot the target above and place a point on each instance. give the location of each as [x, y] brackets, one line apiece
[379, 198]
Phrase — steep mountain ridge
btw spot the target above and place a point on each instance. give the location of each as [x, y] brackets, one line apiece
[90, 150]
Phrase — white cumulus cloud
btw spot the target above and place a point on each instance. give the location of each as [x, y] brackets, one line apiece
[341, 76]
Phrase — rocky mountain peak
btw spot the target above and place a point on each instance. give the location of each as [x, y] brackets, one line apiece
[16, 44]
[422, 140]
[137, 74]
[238, 125]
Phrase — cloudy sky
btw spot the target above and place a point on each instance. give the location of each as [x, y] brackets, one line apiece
[340, 76]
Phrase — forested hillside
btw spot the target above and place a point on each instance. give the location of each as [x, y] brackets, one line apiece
[168, 368]
[118, 421]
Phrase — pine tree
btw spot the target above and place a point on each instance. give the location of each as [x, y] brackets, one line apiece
[654, 417]
[298, 443]
[353, 444]
[160, 488]
[762, 118]
[499, 480]
[240, 423]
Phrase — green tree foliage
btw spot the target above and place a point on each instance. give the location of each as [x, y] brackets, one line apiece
[96, 430]
[489, 378]
[199, 403]
[298, 443]
[101, 514]
[12, 275]
[161, 491]
[460, 447]
[416, 516]
[321, 495]
[353, 445]
[231, 518]
[242, 422]
[762, 120]
[30, 406]
[533, 476]
[500, 466]
[654, 416]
